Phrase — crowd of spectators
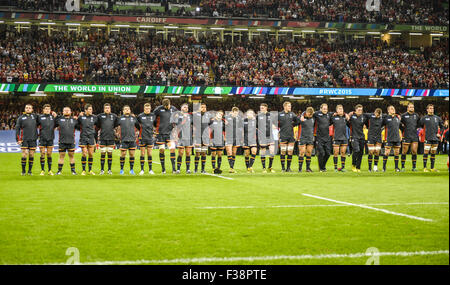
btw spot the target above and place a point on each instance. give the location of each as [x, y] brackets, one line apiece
[129, 58]
[11, 108]
[434, 12]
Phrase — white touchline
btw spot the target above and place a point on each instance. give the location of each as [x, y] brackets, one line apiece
[260, 258]
[368, 207]
[220, 176]
[325, 205]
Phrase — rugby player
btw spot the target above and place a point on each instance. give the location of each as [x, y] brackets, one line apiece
[86, 123]
[374, 123]
[323, 138]
[265, 124]
[185, 139]
[164, 126]
[340, 140]
[410, 121]
[306, 139]
[106, 122]
[66, 125]
[287, 120]
[147, 121]
[357, 121]
[46, 122]
[250, 145]
[431, 124]
[392, 128]
[26, 136]
[127, 125]
[201, 119]
[217, 127]
[233, 135]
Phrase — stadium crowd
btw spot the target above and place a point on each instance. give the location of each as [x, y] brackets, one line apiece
[391, 11]
[35, 57]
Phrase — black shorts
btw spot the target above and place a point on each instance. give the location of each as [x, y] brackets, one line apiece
[146, 142]
[431, 142]
[63, 147]
[45, 143]
[29, 144]
[340, 142]
[287, 139]
[374, 141]
[104, 143]
[393, 144]
[86, 142]
[162, 139]
[128, 145]
[410, 139]
[247, 145]
[305, 142]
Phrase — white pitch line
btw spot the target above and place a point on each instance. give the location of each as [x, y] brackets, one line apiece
[220, 176]
[262, 258]
[327, 205]
[368, 207]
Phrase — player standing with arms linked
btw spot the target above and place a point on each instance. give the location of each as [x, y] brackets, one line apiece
[375, 124]
[306, 139]
[392, 136]
[127, 125]
[106, 122]
[340, 140]
[26, 136]
[431, 124]
[46, 122]
[87, 122]
[287, 120]
[410, 121]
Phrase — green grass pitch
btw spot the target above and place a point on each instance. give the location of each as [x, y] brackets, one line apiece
[264, 218]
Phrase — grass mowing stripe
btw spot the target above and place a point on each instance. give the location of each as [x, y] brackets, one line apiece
[263, 258]
[370, 208]
[331, 205]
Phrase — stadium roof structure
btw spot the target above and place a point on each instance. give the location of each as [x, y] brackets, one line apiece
[220, 90]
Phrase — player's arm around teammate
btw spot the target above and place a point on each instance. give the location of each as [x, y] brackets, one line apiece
[46, 122]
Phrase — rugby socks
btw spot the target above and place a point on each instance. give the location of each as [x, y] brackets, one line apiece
[150, 162]
[335, 161]
[282, 159]
[42, 162]
[60, 167]
[252, 160]
[385, 159]
[213, 162]
[247, 162]
[109, 160]
[425, 159]
[271, 161]
[49, 163]
[162, 158]
[203, 162]
[343, 162]
[414, 160]
[172, 160]
[90, 159]
[263, 161]
[179, 161]
[300, 163]
[308, 162]
[233, 160]
[72, 167]
[188, 162]
[289, 160]
[403, 160]
[396, 161]
[219, 162]
[196, 160]
[122, 162]
[370, 159]
[433, 156]
[377, 157]
[230, 161]
[31, 160]
[131, 159]
[102, 161]
[83, 163]
[142, 160]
